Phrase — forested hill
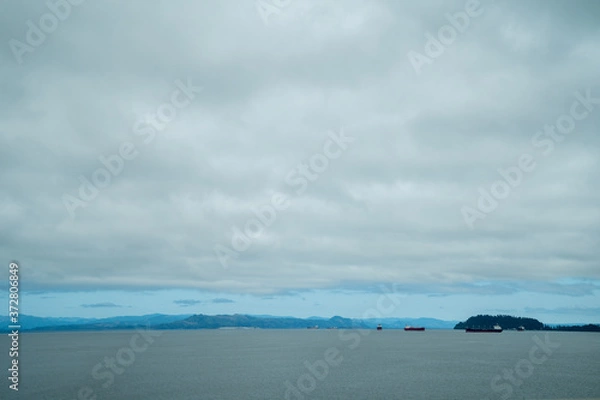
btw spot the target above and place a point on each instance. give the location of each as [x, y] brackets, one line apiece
[505, 321]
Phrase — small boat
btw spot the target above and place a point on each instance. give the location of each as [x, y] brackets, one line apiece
[313, 327]
[521, 328]
[413, 328]
[379, 327]
[495, 329]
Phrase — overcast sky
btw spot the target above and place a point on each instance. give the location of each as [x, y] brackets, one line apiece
[372, 137]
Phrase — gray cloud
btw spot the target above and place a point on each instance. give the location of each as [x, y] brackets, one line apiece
[187, 302]
[588, 311]
[387, 210]
[222, 301]
[101, 305]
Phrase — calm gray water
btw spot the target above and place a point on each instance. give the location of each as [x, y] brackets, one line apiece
[272, 364]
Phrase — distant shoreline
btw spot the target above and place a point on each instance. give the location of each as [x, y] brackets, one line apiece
[31, 324]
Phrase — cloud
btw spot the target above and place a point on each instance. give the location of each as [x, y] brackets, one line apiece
[222, 301]
[187, 302]
[587, 311]
[505, 288]
[101, 305]
[387, 210]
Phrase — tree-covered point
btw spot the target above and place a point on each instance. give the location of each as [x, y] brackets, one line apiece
[505, 321]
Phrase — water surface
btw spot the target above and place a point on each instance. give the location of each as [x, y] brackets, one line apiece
[277, 364]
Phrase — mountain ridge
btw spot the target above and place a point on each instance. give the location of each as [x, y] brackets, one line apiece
[201, 321]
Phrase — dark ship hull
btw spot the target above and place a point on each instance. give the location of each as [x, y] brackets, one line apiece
[483, 330]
